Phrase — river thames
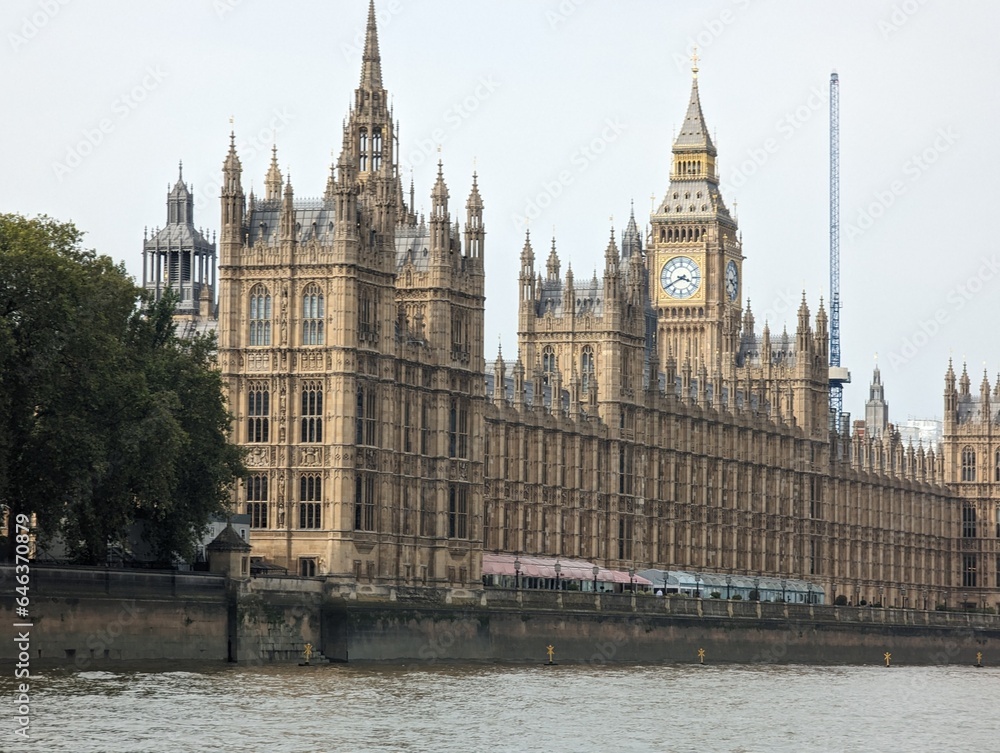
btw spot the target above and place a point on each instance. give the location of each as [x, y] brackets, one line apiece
[515, 709]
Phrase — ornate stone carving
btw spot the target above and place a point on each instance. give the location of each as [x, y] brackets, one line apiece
[258, 457]
[310, 457]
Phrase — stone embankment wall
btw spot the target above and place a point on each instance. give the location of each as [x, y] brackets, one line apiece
[91, 618]
[83, 616]
[507, 626]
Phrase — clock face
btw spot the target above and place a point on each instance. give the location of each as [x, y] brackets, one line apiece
[732, 281]
[680, 277]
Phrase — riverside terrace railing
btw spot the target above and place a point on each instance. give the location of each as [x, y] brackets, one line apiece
[686, 606]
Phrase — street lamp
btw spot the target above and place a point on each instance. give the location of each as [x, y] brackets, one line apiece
[902, 592]
[595, 570]
[833, 588]
[881, 596]
[558, 569]
[631, 579]
[809, 591]
[924, 594]
[517, 573]
[756, 587]
[697, 588]
[784, 583]
[729, 585]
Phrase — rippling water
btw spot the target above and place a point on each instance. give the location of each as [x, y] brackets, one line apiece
[520, 709]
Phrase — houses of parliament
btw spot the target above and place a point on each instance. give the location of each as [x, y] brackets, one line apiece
[646, 422]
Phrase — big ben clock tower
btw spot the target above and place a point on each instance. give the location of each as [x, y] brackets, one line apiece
[695, 255]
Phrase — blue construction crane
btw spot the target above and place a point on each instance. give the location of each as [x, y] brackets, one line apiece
[839, 375]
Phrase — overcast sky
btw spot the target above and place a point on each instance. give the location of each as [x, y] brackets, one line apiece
[567, 109]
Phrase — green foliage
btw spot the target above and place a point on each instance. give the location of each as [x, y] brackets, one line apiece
[840, 601]
[106, 417]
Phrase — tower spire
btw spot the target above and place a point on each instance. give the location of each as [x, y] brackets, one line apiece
[694, 133]
[273, 180]
[371, 61]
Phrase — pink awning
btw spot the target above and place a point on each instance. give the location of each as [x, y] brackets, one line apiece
[545, 567]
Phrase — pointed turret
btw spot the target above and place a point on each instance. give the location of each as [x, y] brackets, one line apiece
[499, 379]
[519, 383]
[331, 182]
[876, 409]
[233, 203]
[611, 256]
[371, 60]
[273, 181]
[569, 293]
[950, 399]
[748, 321]
[964, 383]
[822, 335]
[802, 330]
[612, 276]
[527, 276]
[552, 265]
[288, 213]
[631, 238]
[180, 201]
[475, 231]
[985, 413]
[440, 219]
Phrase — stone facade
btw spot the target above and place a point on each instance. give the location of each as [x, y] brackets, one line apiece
[972, 470]
[645, 422]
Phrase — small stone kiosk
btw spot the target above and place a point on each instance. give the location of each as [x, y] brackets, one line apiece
[229, 554]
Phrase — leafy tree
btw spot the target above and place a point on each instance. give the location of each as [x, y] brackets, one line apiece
[106, 416]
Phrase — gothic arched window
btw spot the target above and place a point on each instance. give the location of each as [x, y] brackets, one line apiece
[968, 521]
[376, 149]
[312, 315]
[258, 412]
[310, 500]
[968, 464]
[996, 468]
[587, 367]
[256, 489]
[548, 362]
[312, 412]
[363, 151]
[260, 316]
